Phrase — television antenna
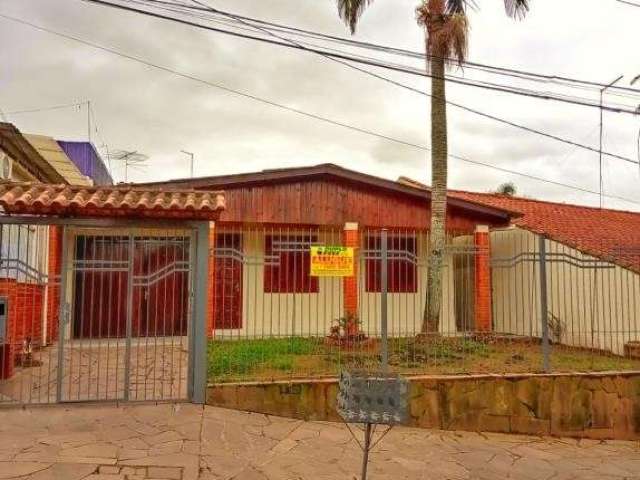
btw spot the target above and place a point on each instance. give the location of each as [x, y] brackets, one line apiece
[129, 158]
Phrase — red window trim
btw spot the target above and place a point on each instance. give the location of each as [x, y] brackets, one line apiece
[291, 272]
[402, 273]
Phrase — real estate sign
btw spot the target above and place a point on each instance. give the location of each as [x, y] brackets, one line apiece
[332, 261]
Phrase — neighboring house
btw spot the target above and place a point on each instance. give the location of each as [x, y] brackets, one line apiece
[51, 151]
[27, 261]
[593, 271]
[86, 158]
[24, 256]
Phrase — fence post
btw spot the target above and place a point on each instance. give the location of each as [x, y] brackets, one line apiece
[199, 339]
[63, 316]
[383, 299]
[542, 259]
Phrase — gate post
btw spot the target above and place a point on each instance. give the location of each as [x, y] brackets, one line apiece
[63, 314]
[542, 258]
[200, 302]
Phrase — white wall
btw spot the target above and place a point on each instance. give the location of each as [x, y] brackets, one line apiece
[595, 307]
[312, 314]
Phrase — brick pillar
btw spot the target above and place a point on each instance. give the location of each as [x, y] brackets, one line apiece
[350, 284]
[53, 283]
[7, 347]
[482, 290]
[211, 289]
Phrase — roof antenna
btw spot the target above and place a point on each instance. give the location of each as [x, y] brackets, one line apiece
[130, 158]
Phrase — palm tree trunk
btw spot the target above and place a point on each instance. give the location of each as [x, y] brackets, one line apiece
[437, 238]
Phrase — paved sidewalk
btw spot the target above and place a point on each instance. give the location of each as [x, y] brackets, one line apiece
[187, 442]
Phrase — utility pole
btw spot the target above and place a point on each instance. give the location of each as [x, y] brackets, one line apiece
[602, 90]
[89, 120]
[637, 77]
[190, 155]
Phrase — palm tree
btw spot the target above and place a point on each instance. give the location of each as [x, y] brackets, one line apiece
[446, 28]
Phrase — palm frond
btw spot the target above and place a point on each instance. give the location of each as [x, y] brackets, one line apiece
[459, 6]
[351, 10]
[447, 34]
[517, 8]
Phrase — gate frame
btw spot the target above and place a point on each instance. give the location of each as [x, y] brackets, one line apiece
[197, 335]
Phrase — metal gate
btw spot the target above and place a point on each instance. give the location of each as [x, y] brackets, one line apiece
[101, 310]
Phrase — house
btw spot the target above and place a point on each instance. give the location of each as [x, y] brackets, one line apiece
[262, 283]
[593, 271]
[88, 161]
[26, 259]
[492, 283]
[23, 256]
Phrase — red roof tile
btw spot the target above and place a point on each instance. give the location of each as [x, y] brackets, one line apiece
[67, 200]
[613, 235]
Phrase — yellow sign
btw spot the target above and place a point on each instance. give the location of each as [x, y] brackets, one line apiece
[332, 261]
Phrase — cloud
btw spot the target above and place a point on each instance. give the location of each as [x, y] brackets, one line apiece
[157, 113]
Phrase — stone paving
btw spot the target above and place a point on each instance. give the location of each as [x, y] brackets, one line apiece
[189, 442]
[95, 370]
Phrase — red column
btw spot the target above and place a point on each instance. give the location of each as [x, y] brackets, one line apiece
[211, 289]
[482, 291]
[350, 284]
[7, 347]
[53, 282]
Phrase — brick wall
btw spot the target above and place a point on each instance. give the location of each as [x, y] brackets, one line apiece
[53, 292]
[24, 318]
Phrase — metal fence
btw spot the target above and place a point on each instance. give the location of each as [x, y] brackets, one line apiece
[522, 304]
[96, 310]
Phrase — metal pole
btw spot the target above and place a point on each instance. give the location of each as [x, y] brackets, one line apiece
[542, 259]
[63, 318]
[602, 90]
[129, 320]
[199, 330]
[367, 446]
[383, 300]
[190, 155]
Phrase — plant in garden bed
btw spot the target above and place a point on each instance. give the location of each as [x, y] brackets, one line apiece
[339, 333]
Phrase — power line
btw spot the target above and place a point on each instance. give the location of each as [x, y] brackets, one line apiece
[399, 84]
[626, 2]
[180, 7]
[298, 111]
[344, 58]
[45, 109]
[546, 95]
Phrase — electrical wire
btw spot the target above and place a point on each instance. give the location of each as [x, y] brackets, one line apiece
[399, 84]
[45, 109]
[345, 58]
[518, 73]
[299, 111]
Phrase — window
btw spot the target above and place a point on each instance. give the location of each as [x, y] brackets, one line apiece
[402, 272]
[288, 264]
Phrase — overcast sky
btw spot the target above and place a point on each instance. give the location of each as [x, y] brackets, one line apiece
[151, 111]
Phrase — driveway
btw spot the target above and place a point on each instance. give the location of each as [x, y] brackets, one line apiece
[189, 442]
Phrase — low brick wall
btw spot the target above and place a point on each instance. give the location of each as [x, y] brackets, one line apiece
[598, 406]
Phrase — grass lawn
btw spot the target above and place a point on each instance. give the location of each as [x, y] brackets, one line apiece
[296, 357]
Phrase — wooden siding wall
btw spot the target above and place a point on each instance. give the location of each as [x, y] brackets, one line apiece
[332, 202]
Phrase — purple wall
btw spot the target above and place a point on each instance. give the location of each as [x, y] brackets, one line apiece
[84, 155]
